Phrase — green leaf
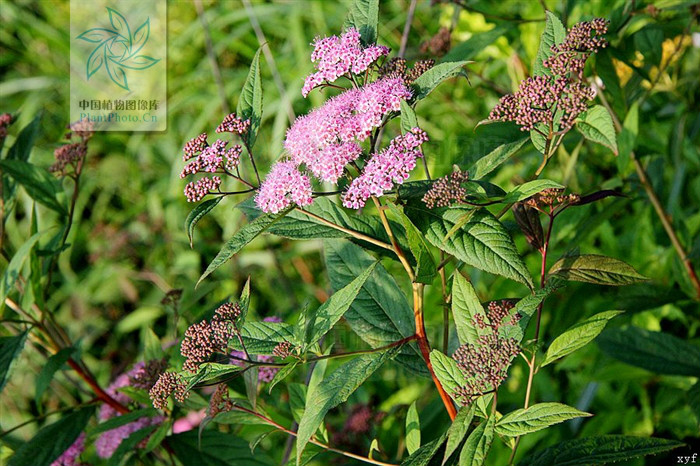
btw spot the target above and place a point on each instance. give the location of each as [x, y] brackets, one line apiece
[473, 46]
[244, 301]
[448, 373]
[335, 307]
[10, 348]
[409, 120]
[364, 16]
[482, 242]
[52, 440]
[129, 444]
[525, 308]
[380, 314]
[428, 81]
[424, 455]
[262, 337]
[212, 371]
[412, 429]
[14, 268]
[529, 189]
[198, 214]
[596, 125]
[426, 270]
[578, 336]
[536, 417]
[694, 400]
[458, 430]
[627, 140]
[53, 365]
[242, 237]
[655, 351]
[215, 449]
[465, 307]
[250, 102]
[601, 450]
[592, 268]
[336, 389]
[39, 184]
[478, 444]
[282, 374]
[554, 34]
[158, 436]
[496, 143]
[26, 138]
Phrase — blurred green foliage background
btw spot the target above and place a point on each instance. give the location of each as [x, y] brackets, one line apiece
[129, 247]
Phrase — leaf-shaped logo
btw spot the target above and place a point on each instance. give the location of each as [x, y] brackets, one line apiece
[118, 49]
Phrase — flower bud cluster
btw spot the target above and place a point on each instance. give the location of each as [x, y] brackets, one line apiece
[447, 190]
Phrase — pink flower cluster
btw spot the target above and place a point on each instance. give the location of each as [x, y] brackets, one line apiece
[387, 168]
[338, 56]
[327, 139]
[284, 184]
[70, 456]
[110, 440]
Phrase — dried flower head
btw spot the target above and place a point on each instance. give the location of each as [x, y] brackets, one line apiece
[220, 401]
[485, 363]
[68, 157]
[169, 383]
[439, 44]
[447, 190]
[558, 98]
[172, 297]
[418, 69]
[283, 349]
[551, 198]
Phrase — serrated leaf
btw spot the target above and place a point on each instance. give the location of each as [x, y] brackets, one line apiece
[536, 417]
[336, 389]
[282, 374]
[578, 336]
[52, 440]
[482, 242]
[554, 34]
[529, 189]
[593, 268]
[458, 430]
[654, 351]
[242, 237]
[380, 314]
[198, 213]
[335, 307]
[600, 450]
[596, 125]
[212, 371]
[409, 120]
[525, 308]
[10, 348]
[38, 182]
[465, 307]
[14, 268]
[215, 449]
[428, 81]
[364, 16]
[53, 365]
[448, 373]
[262, 337]
[250, 101]
[412, 429]
[478, 444]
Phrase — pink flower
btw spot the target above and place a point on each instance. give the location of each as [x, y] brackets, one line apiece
[70, 456]
[284, 184]
[110, 440]
[389, 167]
[338, 56]
[328, 138]
[189, 422]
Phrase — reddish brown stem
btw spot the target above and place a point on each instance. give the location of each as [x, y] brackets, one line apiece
[101, 394]
[424, 346]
